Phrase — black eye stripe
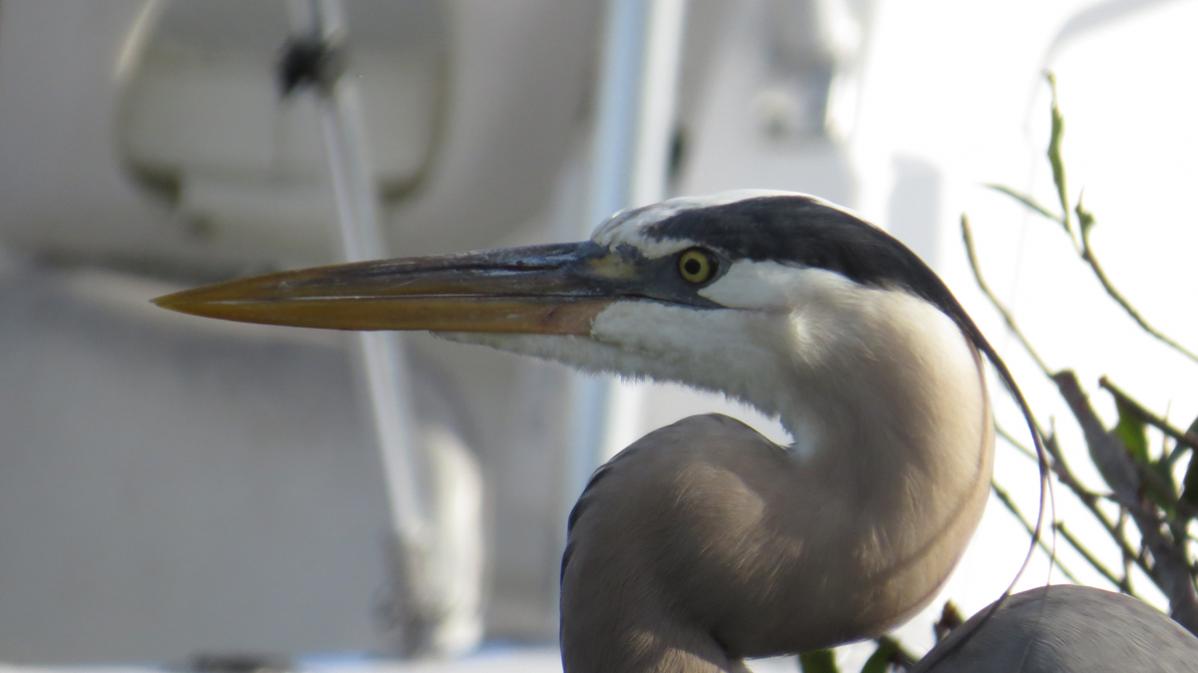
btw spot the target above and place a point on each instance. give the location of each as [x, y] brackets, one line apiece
[801, 231]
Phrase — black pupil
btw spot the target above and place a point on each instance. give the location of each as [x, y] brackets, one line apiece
[692, 266]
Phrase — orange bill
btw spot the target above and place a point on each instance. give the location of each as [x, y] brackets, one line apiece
[551, 289]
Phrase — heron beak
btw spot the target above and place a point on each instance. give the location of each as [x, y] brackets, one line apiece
[552, 289]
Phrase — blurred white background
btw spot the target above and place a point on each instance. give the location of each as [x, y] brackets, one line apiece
[173, 487]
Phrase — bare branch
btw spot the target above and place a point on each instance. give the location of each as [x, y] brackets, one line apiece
[1027, 202]
[1087, 497]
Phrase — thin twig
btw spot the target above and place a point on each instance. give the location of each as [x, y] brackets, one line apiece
[1005, 499]
[1088, 555]
[1007, 316]
[1089, 499]
[1126, 551]
[1057, 464]
[1026, 201]
[1019, 446]
[1061, 469]
[1087, 254]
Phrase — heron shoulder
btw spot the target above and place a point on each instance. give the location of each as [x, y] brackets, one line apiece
[662, 465]
[698, 438]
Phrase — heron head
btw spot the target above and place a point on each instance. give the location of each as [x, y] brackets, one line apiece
[719, 292]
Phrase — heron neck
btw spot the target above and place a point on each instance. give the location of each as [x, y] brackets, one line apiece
[899, 444]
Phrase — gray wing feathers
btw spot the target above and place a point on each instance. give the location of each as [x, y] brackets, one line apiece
[1069, 629]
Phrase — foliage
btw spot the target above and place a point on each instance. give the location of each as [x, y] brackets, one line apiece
[1143, 483]
[1155, 508]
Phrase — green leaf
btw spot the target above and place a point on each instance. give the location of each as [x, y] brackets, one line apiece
[1132, 432]
[879, 661]
[1054, 153]
[818, 661]
[1026, 200]
[1157, 481]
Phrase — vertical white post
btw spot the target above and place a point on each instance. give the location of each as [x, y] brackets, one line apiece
[633, 130]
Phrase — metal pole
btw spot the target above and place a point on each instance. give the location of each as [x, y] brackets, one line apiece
[383, 365]
[344, 136]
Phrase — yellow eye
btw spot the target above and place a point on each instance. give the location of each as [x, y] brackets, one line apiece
[696, 265]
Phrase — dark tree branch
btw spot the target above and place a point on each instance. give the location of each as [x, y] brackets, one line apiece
[1170, 569]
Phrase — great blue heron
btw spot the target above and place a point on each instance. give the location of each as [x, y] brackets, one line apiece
[704, 543]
